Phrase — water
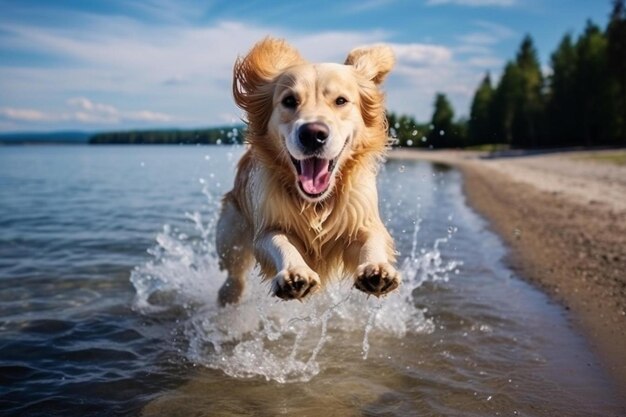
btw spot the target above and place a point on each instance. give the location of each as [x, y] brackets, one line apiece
[108, 284]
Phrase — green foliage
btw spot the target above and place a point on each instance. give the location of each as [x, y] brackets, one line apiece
[406, 132]
[442, 133]
[583, 102]
[594, 84]
[563, 111]
[516, 110]
[219, 135]
[527, 121]
[480, 128]
[504, 105]
[616, 48]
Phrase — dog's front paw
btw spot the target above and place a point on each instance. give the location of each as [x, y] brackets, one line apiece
[377, 279]
[295, 283]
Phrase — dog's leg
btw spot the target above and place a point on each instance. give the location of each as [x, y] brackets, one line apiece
[234, 247]
[375, 275]
[294, 279]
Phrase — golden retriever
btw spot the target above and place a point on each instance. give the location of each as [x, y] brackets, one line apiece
[304, 203]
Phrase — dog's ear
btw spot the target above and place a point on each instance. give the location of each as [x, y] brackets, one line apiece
[254, 73]
[373, 62]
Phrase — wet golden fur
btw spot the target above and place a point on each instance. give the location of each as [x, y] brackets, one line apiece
[330, 234]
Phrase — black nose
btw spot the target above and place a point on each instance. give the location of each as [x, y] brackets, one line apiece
[313, 135]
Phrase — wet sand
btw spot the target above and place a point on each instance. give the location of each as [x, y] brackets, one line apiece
[563, 215]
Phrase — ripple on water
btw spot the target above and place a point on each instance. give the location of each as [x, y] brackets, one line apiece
[456, 339]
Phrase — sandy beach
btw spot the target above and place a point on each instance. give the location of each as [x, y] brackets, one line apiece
[563, 216]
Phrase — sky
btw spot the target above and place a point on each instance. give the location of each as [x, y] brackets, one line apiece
[103, 65]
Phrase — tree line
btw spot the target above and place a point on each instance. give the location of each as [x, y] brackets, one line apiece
[209, 136]
[581, 102]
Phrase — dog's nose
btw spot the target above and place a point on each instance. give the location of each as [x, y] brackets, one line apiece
[313, 135]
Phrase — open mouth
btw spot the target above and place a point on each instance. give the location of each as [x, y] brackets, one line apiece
[314, 175]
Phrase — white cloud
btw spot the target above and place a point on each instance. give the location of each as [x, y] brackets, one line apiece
[148, 116]
[104, 110]
[422, 54]
[473, 3]
[24, 115]
[184, 72]
[181, 70]
[85, 111]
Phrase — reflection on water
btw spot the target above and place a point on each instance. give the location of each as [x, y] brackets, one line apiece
[463, 336]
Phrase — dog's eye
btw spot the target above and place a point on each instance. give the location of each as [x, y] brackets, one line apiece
[340, 101]
[290, 102]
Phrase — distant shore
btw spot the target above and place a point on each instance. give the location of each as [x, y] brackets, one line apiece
[563, 215]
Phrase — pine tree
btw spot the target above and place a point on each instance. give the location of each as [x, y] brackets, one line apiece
[527, 122]
[442, 134]
[563, 111]
[481, 129]
[504, 104]
[594, 88]
[616, 49]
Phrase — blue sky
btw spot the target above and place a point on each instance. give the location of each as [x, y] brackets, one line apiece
[111, 64]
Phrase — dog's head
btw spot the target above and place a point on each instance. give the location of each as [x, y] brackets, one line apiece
[312, 118]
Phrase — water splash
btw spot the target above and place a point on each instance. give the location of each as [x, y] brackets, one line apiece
[263, 336]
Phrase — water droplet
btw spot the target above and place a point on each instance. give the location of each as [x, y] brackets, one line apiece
[414, 133]
[402, 168]
[409, 142]
[442, 132]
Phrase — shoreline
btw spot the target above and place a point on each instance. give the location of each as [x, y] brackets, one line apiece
[563, 218]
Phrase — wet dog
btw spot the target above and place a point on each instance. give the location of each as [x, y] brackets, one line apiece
[304, 205]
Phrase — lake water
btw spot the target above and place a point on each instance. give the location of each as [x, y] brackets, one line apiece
[108, 286]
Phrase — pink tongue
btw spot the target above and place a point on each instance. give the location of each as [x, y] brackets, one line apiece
[314, 175]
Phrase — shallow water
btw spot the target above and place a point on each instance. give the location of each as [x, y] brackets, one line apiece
[108, 283]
